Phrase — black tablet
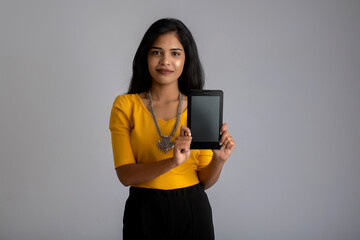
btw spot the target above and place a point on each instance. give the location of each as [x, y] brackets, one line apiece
[205, 118]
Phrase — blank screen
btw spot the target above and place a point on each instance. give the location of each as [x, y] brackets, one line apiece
[205, 115]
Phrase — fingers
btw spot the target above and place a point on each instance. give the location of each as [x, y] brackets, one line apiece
[230, 144]
[226, 140]
[185, 131]
[183, 141]
[182, 144]
[223, 128]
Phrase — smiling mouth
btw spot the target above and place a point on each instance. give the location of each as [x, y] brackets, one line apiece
[164, 71]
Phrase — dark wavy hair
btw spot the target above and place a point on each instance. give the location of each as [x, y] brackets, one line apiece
[192, 76]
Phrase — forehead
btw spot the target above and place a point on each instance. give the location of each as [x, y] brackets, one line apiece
[167, 40]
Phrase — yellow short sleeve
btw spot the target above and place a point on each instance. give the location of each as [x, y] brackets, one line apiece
[120, 127]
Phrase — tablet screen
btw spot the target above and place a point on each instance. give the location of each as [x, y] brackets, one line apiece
[205, 111]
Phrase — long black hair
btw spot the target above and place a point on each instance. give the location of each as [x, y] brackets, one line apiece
[192, 76]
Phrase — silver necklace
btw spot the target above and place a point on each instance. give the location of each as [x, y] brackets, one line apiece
[165, 144]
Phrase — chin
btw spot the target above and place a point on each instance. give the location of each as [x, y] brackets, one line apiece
[165, 81]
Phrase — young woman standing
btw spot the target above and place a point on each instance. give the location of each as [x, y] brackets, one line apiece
[151, 143]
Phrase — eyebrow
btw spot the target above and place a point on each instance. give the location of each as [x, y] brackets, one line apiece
[172, 49]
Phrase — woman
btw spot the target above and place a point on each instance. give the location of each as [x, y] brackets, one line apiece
[152, 153]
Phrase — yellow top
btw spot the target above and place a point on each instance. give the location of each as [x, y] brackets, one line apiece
[134, 140]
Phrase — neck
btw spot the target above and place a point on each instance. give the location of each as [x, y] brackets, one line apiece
[164, 93]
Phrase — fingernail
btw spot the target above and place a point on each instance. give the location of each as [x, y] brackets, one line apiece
[220, 143]
[190, 134]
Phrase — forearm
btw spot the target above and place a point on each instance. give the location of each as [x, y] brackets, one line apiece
[209, 175]
[132, 174]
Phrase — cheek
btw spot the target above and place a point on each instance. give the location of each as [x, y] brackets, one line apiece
[151, 64]
[180, 64]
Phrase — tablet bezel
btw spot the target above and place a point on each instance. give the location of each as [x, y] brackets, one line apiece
[219, 93]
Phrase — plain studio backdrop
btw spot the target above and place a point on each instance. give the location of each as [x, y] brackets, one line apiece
[290, 72]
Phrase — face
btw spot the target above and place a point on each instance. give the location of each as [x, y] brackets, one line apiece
[166, 59]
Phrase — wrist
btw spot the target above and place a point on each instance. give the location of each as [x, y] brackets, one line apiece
[216, 158]
[173, 162]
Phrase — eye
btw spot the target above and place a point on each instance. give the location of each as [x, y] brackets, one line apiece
[155, 52]
[175, 53]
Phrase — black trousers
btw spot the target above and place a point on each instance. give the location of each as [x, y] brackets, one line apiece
[183, 214]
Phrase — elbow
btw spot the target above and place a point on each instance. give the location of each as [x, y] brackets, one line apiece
[126, 184]
[206, 185]
[124, 181]
[206, 182]
[123, 178]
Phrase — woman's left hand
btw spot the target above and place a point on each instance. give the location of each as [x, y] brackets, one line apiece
[227, 144]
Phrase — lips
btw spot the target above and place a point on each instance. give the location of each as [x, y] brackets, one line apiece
[164, 71]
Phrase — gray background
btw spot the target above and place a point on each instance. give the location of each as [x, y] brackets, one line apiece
[290, 71]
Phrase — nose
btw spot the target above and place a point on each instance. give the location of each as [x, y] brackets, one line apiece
[164, 60]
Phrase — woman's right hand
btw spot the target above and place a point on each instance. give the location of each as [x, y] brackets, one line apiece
[182, 146]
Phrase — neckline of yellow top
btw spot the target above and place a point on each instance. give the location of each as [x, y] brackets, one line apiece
[149, 113]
